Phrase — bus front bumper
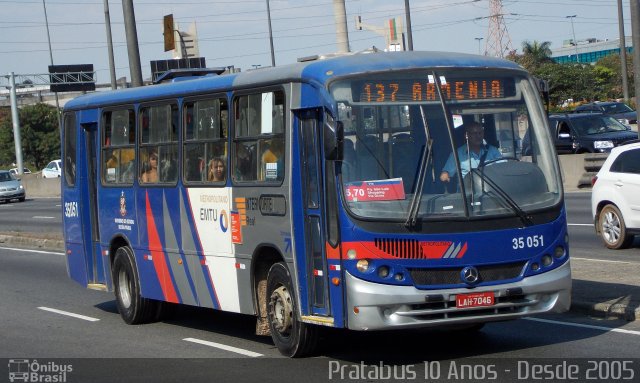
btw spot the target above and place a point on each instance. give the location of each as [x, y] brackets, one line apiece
[373, 306]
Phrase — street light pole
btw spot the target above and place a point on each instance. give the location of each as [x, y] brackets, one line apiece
[575, 42]
[112, 66]
[407, 12]
[623, 53]
[479, 39]
[46, 21]
[273, 57]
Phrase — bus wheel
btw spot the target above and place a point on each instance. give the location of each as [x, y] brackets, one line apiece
[292, 337]
[133, 308]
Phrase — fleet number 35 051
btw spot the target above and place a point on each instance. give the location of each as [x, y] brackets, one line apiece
[528, 242]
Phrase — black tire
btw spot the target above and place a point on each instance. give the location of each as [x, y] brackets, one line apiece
[133, 308]
[292, 337]
[21, 199]
[612, 228]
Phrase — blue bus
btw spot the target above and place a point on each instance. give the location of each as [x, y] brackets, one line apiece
[368, 191]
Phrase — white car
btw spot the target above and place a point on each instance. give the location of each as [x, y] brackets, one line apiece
[53, 170]
[615, 197]
[14, 171]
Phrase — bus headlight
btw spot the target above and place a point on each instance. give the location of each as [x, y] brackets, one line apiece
[546, 260]
[558, 252]
[362, 265]
[351, 254]
[383, 271]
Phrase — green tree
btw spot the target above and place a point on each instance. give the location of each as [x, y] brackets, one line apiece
[609, 68]
[568, 81]
[534, 54]
[40, 136]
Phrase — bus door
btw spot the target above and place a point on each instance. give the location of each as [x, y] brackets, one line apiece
[314, 263]
[91, 231]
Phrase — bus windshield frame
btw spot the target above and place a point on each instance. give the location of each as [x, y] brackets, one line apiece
[404, 129]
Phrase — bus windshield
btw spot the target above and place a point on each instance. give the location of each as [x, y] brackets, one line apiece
[440, 144]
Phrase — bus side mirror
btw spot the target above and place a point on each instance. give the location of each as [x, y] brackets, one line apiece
[333, 136]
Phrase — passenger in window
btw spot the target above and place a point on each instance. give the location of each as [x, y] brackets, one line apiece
[151, 172]
[273, 160]
[217, 171]
[244, 163]
[472, 154]
[120, 155]
[193, 168]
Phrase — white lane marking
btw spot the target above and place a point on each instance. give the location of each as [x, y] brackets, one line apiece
[42, 217]
[604, 260]
[90, 319]
[580, 224]
[592, 327]
[30, 251]
[224, 347]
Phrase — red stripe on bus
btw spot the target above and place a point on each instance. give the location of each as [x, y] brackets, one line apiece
[331, 252]
[462, 251]
[159, 263]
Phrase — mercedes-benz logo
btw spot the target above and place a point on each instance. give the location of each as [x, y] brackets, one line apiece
[470, 275]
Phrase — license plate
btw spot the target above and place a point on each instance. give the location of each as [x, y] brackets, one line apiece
[475, 300]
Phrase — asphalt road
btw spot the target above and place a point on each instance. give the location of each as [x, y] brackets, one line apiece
[41, 216]
[40, 321]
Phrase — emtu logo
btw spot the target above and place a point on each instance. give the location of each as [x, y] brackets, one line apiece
[224, 221]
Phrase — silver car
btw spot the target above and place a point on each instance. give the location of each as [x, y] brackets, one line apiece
[10, 187]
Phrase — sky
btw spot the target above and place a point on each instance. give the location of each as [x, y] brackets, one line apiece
[235, 32]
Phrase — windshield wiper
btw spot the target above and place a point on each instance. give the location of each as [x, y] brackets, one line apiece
[414, 207]
[526, 220]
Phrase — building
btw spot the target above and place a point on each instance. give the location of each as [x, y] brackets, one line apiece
[589, 50]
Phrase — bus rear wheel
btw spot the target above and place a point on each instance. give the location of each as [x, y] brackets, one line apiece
[292, 337]
[133, 308]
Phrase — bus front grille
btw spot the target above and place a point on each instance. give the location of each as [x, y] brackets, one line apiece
[400, 248]
[451, 276]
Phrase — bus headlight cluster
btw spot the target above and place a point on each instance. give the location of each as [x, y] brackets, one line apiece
[547, 260]
[383, 271]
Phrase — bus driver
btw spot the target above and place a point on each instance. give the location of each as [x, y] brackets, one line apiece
[476, 154]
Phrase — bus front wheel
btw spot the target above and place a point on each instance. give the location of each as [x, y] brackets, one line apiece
[292, 337]
[133, 308]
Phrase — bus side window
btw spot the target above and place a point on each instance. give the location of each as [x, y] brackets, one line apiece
[205, 137]
[159, 143]
[259, 139]
[118, 146]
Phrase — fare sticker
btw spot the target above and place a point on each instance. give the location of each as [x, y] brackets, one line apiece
[376, 190]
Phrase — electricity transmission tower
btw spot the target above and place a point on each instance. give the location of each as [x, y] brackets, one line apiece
[498, 40]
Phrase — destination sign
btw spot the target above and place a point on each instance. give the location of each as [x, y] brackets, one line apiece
[403, 90]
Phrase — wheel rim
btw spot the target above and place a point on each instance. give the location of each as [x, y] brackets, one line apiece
[124, 288]
[281, 310]
[611, 227]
